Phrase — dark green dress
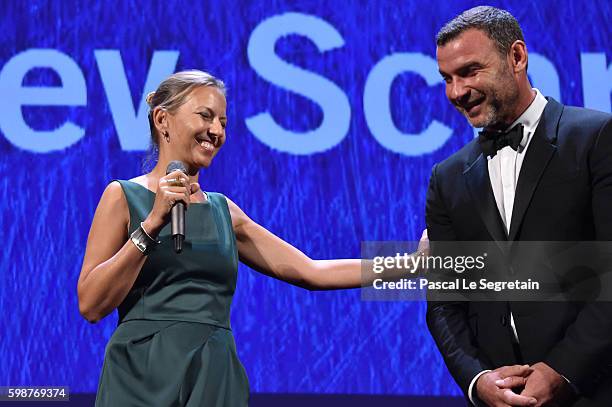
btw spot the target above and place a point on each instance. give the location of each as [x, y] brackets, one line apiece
[173, 345]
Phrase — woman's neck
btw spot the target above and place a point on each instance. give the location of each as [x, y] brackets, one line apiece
[160, 171]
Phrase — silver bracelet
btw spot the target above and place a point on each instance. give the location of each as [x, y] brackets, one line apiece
[145, 232]
[143, 241]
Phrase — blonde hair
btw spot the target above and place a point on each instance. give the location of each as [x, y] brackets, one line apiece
[173, 92]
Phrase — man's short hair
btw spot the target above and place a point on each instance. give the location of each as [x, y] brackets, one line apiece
[499, 25]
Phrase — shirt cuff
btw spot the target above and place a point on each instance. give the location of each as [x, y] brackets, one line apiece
[472, 383]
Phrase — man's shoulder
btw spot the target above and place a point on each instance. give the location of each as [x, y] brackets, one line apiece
[581, 112]
[582, 119]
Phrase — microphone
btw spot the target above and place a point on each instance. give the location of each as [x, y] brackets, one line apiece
[178, 211]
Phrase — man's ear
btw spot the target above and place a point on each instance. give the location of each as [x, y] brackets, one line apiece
[518, 56]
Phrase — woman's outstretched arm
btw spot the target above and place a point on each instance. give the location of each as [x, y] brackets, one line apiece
[263, 251]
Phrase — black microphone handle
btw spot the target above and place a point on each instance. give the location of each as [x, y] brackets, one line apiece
[178, 210]
[178, 225]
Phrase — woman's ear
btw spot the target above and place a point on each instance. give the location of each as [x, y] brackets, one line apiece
[160, 120]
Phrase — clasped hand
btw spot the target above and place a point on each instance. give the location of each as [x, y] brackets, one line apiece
[536, 385]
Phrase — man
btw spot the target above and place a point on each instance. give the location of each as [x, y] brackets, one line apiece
[540, 171]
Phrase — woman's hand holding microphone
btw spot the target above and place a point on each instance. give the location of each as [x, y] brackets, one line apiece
[171, 189]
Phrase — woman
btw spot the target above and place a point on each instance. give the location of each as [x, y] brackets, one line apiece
[173, 345]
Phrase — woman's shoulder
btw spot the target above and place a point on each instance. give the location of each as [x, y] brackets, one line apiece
[113, 200]
[136, 184]
[118, 190]
[215, 197]
[114, 191]
[221, 201]
[141, 180]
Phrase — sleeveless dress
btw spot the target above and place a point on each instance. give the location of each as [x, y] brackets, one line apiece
[173, 345]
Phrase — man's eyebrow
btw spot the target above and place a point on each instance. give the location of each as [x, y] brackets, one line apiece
[463, 69]
[468, 66]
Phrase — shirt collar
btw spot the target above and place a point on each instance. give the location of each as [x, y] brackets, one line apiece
[531, 116]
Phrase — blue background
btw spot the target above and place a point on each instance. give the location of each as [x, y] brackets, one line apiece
[289, 339]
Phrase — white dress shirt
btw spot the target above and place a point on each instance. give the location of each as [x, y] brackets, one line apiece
[504, 171]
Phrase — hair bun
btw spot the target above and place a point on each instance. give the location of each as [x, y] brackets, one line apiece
[149, 99]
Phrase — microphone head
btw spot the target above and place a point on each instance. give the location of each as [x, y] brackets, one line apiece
[176, 165]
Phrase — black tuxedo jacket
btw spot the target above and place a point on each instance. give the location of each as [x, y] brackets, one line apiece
[564, 193]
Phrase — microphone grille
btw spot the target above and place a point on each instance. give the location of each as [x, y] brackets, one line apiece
[176, 165]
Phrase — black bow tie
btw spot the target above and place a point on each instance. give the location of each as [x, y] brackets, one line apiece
[492, 141]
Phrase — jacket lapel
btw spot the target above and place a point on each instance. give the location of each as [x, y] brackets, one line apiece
[539, 154]
[478, 183]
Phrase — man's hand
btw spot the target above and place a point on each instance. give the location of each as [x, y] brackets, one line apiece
[424, 244]
[490, 391]
[547, 386]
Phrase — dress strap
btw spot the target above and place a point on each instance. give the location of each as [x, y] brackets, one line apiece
[139, 200]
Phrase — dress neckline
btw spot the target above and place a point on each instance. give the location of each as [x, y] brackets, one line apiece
[191, 203]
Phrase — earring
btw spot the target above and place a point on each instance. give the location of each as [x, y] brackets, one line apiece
[167, 136]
